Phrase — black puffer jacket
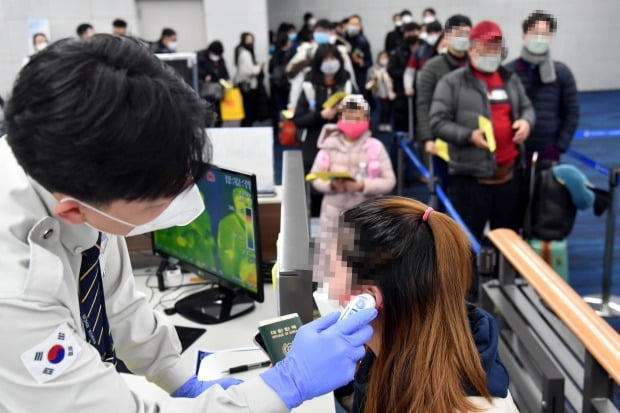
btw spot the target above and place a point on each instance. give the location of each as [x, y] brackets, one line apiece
[556, 105]
[457, 102]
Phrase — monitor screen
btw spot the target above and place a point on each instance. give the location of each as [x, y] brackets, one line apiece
[222, 243]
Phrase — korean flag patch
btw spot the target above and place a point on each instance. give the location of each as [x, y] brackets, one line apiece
[53, 356]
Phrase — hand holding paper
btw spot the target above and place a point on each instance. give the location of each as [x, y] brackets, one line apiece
[485, 125]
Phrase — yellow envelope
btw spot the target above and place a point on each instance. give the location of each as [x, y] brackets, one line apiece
[327, 175]
[334, 99]
[487, 127]
[441, 149]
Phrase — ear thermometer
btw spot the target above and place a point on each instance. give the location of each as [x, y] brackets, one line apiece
[357, 304]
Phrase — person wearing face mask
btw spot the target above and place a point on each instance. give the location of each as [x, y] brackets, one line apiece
[382, 88]
[396, 68]
[167, 42]
[395, 37]
[211, 71]
[456, 33]
[325, 78]
[361, 56]
[420, 55]
[103, 141]
[300, 64]
[429, 15]
[347, 146]
[484, 182]
[39, 42]
[249, 77]
[551, 87]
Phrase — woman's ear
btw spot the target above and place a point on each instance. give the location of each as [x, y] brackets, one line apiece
[375, 292]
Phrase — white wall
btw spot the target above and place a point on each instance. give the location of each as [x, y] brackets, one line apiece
[587, 37]
[64, 17]
[185, 17]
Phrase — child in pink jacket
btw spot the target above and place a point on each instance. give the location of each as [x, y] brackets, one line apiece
[348, 146]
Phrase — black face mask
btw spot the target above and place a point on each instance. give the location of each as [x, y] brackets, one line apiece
[411, 40]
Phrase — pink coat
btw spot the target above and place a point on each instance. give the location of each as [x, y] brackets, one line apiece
[337, 154]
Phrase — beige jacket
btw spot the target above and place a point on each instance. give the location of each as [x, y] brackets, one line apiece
[39, 270]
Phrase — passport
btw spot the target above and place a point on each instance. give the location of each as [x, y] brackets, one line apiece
[278, 334]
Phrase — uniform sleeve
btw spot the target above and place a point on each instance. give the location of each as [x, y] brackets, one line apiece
[386, 181]
[144, 339]
[442, 114]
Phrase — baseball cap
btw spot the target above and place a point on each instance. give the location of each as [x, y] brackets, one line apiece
[484, 31]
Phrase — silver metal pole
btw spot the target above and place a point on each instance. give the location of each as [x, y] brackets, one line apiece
[605, 304]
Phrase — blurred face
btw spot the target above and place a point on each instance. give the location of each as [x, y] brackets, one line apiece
[486, 56]
[40, 39]
[538, 37]
[349, 115]
[169, 39]
[119, 31]
[457, 39]
[89, 33]
[354, 26]
[248, 40]
[341, 283]
[397, 21]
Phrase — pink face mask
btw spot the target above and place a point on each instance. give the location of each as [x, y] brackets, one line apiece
[353, 130]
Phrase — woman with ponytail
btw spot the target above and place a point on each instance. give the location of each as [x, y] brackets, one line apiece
[430, 351]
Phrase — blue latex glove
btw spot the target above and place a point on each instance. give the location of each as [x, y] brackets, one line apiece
[322, 358]
[193, 387]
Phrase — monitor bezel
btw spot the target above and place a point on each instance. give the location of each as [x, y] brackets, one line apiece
[259, 295]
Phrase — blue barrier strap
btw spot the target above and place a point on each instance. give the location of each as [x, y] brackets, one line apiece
[442, 196]
[596, 133]
[603, 169]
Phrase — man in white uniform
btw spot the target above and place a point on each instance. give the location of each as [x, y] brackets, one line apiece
[103, 141]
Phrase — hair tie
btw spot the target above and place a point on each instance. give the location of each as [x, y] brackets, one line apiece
[427, 213]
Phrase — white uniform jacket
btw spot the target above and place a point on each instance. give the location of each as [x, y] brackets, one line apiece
[45, 363]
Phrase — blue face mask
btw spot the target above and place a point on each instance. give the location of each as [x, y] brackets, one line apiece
[292, 37]
[321, 37]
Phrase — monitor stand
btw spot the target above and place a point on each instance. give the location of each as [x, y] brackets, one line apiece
[214, 305]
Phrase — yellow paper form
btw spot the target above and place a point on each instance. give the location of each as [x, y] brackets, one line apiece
[487, 127]
[441, 149]
[327, 175]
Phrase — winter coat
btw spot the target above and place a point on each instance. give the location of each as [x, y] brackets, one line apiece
[556, 105]
[336, 154]
[458, 100]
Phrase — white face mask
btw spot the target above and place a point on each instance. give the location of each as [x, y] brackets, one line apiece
[40, 46]
[428, 19]
[406, 19]
[214, 57]
[330, 66]
[172, 46]
[183, 209]
[459, 43]
[423, 35]
[432, 39]
[488, 64]
[537, 44]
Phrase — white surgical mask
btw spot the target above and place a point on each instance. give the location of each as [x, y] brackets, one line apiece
[428, 19]
[398, 23]
[40, 46]
[537, 44]
[214, 57]
[183, 209]
[432, 39]
[423, 35]
[406, 19]
[488, 64]
[383, 62]
[311, 22]
[330, 67]
[353, 30]
[332, 39]
[172, 46]
[459, 43]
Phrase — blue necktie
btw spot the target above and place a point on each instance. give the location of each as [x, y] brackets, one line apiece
[92, 304]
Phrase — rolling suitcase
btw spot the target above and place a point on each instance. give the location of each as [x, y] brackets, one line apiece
[554, 253]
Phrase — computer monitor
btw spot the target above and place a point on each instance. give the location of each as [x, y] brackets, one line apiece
[221, 245]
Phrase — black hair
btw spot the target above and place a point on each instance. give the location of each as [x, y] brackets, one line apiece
[34, 37]
[242, 45]
[82, 28]
[433, 27]
[120, 23]
[456, 21]
[284, 28]
[216, 47]
[324, 24]
[355, 16]
[540, 16]
[404, 12]
[308, 16]
[324, 50]
[105, 120]
[410, 27]
[430, 10]
[304, 36]
[281, 40]
[167, 32]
